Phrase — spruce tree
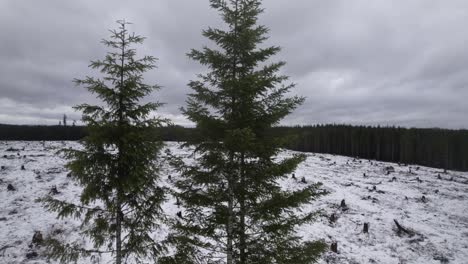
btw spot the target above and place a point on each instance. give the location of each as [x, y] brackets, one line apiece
[118, 165]
[235, 209]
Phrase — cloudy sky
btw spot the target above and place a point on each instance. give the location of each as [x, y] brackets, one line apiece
[401, 62]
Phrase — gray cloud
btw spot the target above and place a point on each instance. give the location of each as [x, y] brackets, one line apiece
[361, 62]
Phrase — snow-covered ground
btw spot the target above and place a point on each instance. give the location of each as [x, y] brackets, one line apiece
[432, 205]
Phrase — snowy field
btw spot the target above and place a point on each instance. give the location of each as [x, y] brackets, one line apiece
[430, 205]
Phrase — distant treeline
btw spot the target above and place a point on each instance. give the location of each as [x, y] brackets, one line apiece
[52, 133]
[39, 133]
[441, 148]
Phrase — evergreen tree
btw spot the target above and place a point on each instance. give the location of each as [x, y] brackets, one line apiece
[235, 209]
[120, 204]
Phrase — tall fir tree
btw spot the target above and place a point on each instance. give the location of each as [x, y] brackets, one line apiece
[118, 166]
[235, 209]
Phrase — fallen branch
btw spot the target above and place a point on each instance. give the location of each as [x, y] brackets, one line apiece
[402, 229]
[4, 248]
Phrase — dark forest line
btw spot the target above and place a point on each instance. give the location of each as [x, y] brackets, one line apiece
[432, 147]
[440, 148]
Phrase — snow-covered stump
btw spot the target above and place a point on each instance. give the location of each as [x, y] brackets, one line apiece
[334, 247]
[332, 218]
[53, 190]
[11, 188]
[343, 204]
[31, 255]
[366, 228]
[423, 199]
[37, 238]
[179, 215]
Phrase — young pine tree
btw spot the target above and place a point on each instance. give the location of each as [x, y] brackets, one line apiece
[120, 204]
[235, 209]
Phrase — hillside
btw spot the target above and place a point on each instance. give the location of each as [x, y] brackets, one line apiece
[430, 205]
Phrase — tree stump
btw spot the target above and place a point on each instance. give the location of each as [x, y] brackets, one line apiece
[37, 238]
[332, 218]
[423, 199]
[343, 204]
[179, 214]
[54, 190]
[31, 255]
[334, 247]
[366, 228]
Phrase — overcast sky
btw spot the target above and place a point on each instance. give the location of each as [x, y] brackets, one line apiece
[399, 62]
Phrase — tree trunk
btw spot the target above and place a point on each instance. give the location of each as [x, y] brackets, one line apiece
[242, 238]
[118, 222]
[229, 225]
[118, 235]
[230, 220]
[230, 235]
